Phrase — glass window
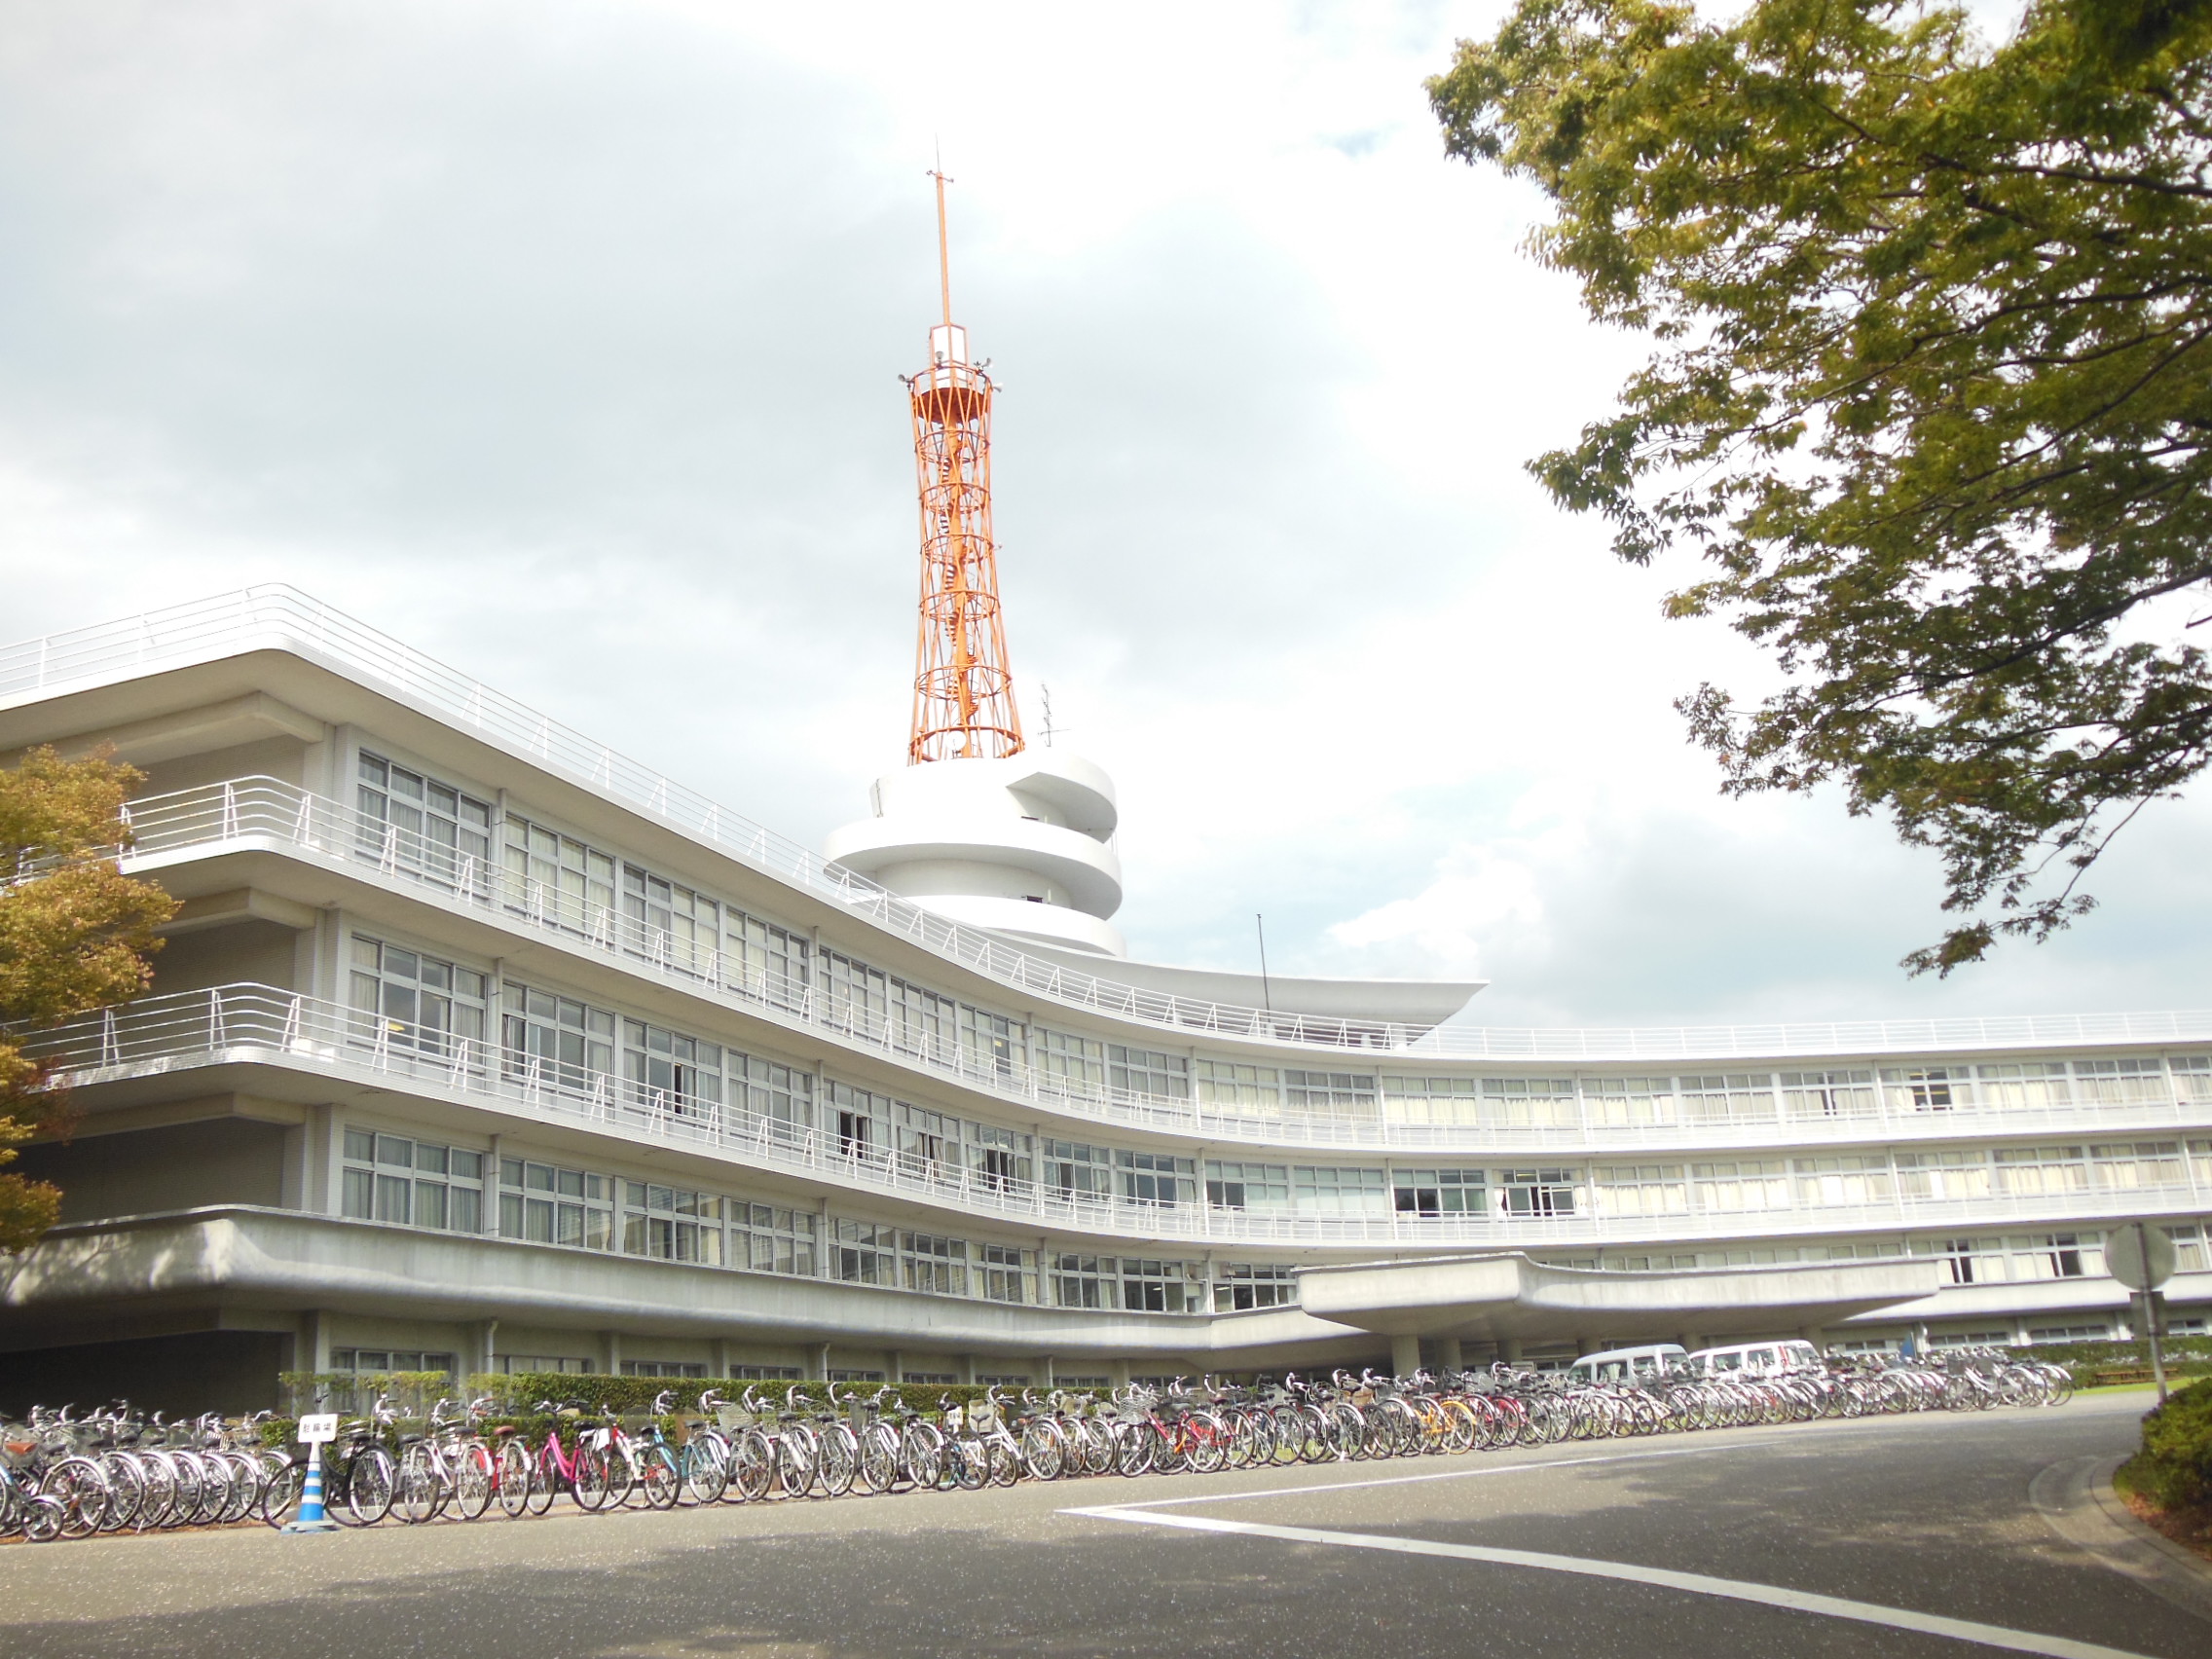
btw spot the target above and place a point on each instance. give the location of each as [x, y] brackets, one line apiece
[991, 1043]
[1335, 1094]
[2057, 1256]
[1005, 1274]
[2130, 1165]
[670, 1073]
[1742, 1184]
[561, 882]
[1146, 1073]
[1076, 1171]
[1829, 1095]
[1537, 1192]
[1240, 1087]
[1157, 1178]
[1440, 1191]
[2026, 1083]
[544, 1203]
[1068, 1065]
[1965, 1261]
[1628, 1102]
[1239, 1286]
[416, 1003]
[2121, 1083]
[1734, 1097]
[1926, 1089]
[765, 961]
[1852, 1178]
[1330, 1189]
[414, 1183]
[669, 925]
[556, 1042]
[770, 1240]
[1084, 1281]
[1452, 1101]
[2192, 1078]
[2030, 1170]
[1963, 1173]
[1640, 1189]
[672, 1223]
[1248, 1186]
[866, 1252]
[1530, 1102]
[430, 830]
[1158, 1287]
[933, 1264]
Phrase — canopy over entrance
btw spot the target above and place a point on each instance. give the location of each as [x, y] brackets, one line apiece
[1504, 1296]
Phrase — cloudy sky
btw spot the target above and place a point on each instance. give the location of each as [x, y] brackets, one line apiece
[560, 341]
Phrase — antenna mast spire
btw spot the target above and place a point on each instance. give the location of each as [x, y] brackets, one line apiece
[963, 687]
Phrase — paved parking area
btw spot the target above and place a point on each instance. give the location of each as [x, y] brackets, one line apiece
[1909, 1536]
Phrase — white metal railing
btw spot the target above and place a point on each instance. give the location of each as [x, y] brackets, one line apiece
[268, 812]
[276, 616]
[259, 1024]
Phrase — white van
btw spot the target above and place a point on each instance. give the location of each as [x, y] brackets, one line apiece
[1625, 1364]
[1756, 1359]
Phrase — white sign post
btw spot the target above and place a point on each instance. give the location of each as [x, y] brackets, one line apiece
[316, 1431]
[2140, 1256]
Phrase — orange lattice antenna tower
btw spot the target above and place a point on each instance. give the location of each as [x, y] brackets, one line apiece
[963, 686]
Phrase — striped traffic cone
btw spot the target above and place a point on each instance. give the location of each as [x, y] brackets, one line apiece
[311, 1518]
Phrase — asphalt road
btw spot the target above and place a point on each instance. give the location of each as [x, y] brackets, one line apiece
[1819, 1539]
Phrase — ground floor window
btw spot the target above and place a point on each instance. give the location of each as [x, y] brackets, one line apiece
[1004, 1379]
[530, 1364]
[390, 1359]
[1241, 1285]
[764, 1373]
[937, 1377]
[662, 1368]
[836, 1375]
[2064, 1334]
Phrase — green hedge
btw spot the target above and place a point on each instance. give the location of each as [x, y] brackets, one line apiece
[2174, 1467]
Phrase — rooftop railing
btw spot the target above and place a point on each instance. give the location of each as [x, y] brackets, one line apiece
[280, 618]
[259, 1024]
[270, 813]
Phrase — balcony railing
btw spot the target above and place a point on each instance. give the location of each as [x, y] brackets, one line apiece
[269, 813]
[280, 618]
[260, 1025]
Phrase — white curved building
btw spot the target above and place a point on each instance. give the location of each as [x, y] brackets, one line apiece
[476, 1045]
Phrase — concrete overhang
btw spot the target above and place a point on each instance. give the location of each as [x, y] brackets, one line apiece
[1490, 1297]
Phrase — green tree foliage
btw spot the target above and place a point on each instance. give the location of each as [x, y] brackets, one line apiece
[1929, 388]
[75, 934]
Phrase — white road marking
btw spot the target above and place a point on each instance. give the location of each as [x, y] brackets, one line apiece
[1694, 1583]
[1445, 1475]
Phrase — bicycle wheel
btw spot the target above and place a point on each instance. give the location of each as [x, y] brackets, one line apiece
[706, 1468]
[1043, 1452]
[370, 1479]
[597, 1471]
[798, 1459]
[474, 1479]
[841, 1459]
[921, 1452]
[659, 1478]
[160, 1477]
[878, 1469]
[545, 1479]
[1005, 1460]
[77, 1484]
[127, 1489]
[512, 1479]
[967, 1463]
[753, 1467]
[415, 1496]
[280, 1492]
[1132, 1447]
[42, 1518]
[214, 1488]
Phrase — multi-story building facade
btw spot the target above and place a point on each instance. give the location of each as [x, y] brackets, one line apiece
[476, 1045]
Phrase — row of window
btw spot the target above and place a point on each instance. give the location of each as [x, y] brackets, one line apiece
[443, 833]
[420, 1183]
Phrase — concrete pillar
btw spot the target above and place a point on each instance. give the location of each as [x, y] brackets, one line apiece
[1815, 1335]
[1450, 1356]
[1509, 1349]
[718, 1353]
[487, 1336]
[820, 1355]
[967, 1367]
[1691, 1342]
[1044, 1371]
[1405, 1356]
[610, 1352]
[312, 1349]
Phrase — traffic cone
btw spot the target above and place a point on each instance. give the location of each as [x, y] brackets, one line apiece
[311, 1518]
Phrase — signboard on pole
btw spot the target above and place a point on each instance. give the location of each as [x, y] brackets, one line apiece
[2140, 1255]
[318, 1428]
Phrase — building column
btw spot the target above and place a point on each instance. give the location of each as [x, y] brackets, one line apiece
[1815, 1335]
[894, 1365]
[312, 1349]
[1509, 1349]
[1044, 1371]
[820, 1354]
[967, 1367]
[1450, 1354]
[718, 1348]
[1691, 1342]
[610, 1352]
[1405, 1356]
[487, 1344]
